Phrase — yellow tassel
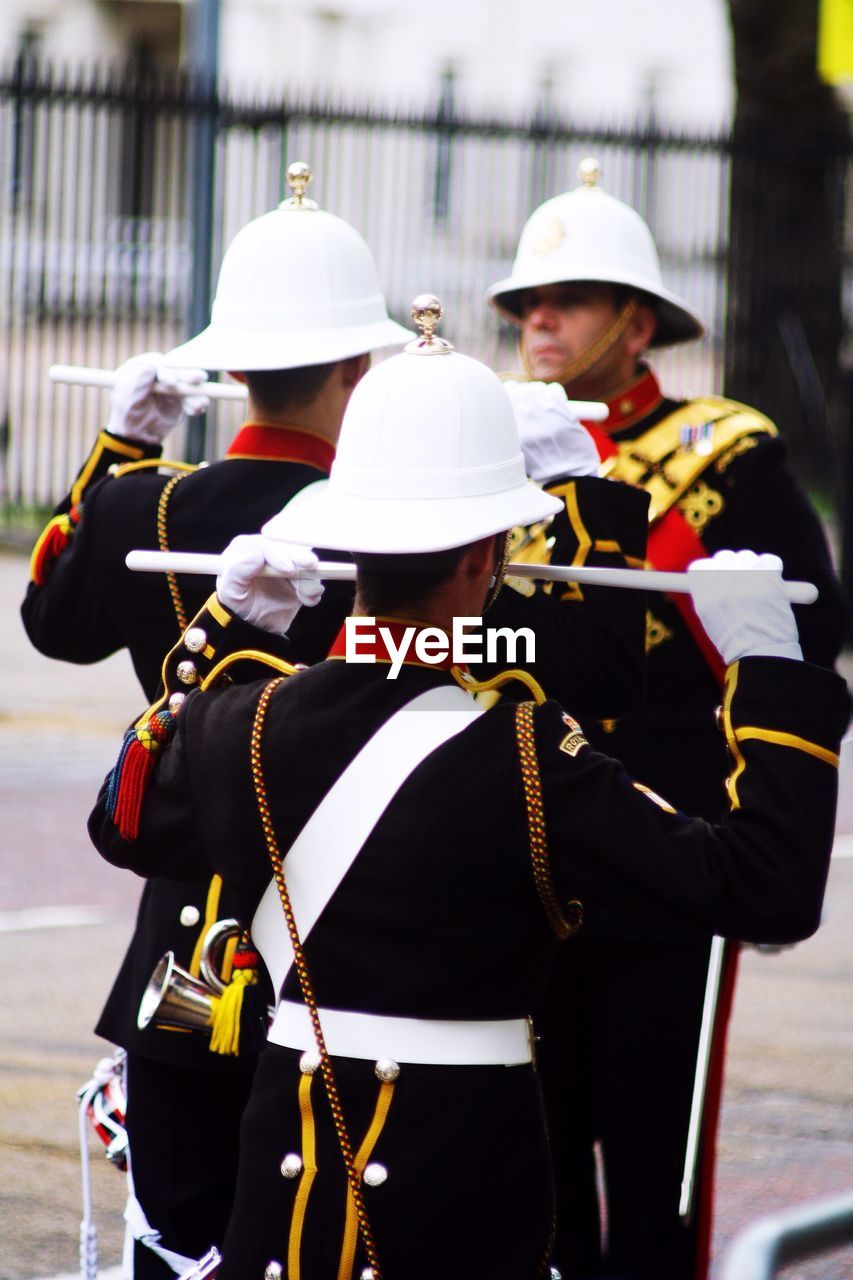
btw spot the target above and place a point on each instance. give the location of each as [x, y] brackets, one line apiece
[225, 1014]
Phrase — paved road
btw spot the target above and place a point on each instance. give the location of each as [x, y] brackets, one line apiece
[788, 1115]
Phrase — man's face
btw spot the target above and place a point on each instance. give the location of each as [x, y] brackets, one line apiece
[560, 321]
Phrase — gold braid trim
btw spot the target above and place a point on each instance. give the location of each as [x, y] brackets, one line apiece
[247, 655]
[309, 1173]
[563, 925]
[151, 464]
[163, 544]
[585, 360]
[467, 682]
[380, 1115]
[304, 978]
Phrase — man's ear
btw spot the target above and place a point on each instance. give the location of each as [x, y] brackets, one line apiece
[641, 329]
[353, 370]
[483, 555]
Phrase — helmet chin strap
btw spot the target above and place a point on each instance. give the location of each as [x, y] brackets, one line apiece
[500, 569]
[585, 360]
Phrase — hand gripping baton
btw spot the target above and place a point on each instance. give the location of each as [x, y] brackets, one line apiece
[82, 376]
[593, 576]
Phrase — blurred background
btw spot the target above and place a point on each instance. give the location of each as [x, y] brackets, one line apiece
[137, 136]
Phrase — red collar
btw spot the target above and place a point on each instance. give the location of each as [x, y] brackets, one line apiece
[632, 402]
[282, 444]
[372, 643]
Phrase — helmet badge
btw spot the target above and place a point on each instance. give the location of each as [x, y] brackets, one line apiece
[548, 236]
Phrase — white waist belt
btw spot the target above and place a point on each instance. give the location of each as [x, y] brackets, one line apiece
[424, 1040]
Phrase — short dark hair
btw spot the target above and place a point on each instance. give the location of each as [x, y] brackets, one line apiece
[273, 390]
[388, 582]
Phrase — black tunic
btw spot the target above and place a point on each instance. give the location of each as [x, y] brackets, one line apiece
[439, 917]
[88, 604]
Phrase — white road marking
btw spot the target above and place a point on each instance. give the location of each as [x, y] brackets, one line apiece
[50, 918]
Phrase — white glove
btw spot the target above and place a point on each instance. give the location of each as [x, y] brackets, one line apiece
[745, 613]
[553, 442]
[141, 413]
[268, 603]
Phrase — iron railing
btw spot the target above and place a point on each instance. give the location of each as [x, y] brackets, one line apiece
[96, 261]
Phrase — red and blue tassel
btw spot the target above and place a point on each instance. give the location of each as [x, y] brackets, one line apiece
[53, 540]
[133, 769]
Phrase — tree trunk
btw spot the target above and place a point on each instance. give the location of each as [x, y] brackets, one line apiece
[784, 313]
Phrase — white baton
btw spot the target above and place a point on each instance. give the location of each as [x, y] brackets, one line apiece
[589, 575]
[79, 375]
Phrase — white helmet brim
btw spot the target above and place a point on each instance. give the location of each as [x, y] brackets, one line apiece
[321, 517]
[245, 350]
[677, 321]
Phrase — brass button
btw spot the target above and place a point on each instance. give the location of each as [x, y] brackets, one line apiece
[195, 639]
[387, 1069]
[309, 1062]
[176, 701]
[718, 719]
[273, 1271]
[187, 673]
[190, 915]
[291, 1165]
[375, 1174]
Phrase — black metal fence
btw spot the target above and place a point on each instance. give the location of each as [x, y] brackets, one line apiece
[96, 252]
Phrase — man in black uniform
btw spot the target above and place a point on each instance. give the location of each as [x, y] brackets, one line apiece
[184, 1102]
[412, 924]
[301, 337]
[621, 1024]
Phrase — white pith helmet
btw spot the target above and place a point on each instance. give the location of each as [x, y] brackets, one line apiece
[428, 458]
[297, 287]
[588, 235]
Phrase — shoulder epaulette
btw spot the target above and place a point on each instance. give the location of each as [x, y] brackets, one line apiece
[670, 457]
[193, 662]
[488, 691]
[109, 456]
[151, 464]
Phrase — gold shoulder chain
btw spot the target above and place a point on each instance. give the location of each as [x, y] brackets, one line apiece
[163, 544]
[563, 925]
[304, 978]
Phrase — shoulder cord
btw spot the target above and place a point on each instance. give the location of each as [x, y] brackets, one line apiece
[304, 979]
[563, 925]
[163, 544]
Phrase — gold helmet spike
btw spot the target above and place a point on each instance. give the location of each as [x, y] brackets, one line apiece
[426, 313]
[589, 172]
[299, 179]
